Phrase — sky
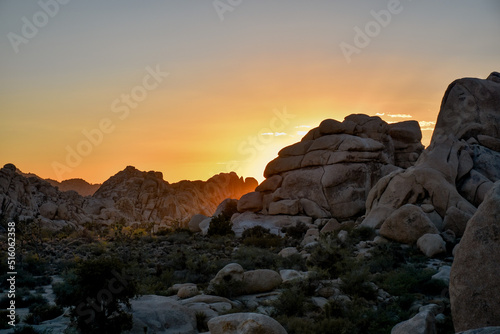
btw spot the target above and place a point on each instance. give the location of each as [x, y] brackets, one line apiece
[195, 88]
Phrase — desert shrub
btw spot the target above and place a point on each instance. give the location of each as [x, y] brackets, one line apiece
[291, 302]
[39, 313]
[259, 236]
[203, 268]
[220, 225]
[409, 279]
[391, 255]
[295, 262]
[357, 283]
[361, 233]
[163, 231]
[296, 231]
[103, 282]
[35, 265]
[179, 237]
[201, 322]
[294, 298]
[329, 256]
[228, 289]
[250, 258]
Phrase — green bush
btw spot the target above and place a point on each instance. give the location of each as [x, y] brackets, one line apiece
[228, 289]
[391, 255]
[259, 236]
[296, 231]
[361, 233]
[409, 279]
[357, 283]
[39, 313]
[96, 291]
[331, 257]
[291, 302]
[220, 225]
[295, 262]
[201, 322]
[250, 258]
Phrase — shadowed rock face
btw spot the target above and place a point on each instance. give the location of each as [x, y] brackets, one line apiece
[475, 279]
[470, 109]
[461, 164]
[132, 195]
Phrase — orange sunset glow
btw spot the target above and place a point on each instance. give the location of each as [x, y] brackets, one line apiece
[190, 90]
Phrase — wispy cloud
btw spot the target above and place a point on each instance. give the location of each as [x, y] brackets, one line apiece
[276, 134]
[303, 127]
[399, 115]
[426, 126]
[302, 133]
[380, 114]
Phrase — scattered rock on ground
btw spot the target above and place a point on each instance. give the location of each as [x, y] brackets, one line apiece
[431, 244]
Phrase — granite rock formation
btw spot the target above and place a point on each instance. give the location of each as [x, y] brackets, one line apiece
[131, 195]
[452, 176]
[329, 173]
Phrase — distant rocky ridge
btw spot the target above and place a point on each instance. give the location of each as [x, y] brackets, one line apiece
[79, 185]
[130, 195]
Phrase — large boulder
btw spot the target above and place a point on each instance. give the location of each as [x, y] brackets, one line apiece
[241, 282]
[162, 315]
[260, 280]
[474, 281]
[48, 210]
[407, 224]
[245, 323]
[431, 244]
[227, 207]
[423, 323]
[250, 202]
[194, 223]
[231, 273]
